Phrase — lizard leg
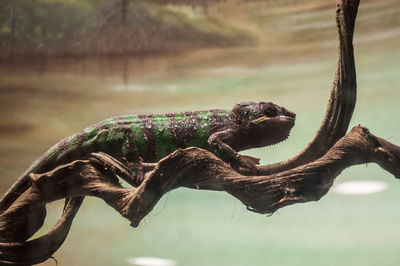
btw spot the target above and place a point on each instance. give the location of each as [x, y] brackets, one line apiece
[227, 153]
[134, 162]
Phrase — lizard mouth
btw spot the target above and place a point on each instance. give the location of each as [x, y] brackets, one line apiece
[282, 125]
[275, 129]
[284, 120]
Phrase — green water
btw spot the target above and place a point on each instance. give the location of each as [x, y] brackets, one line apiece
[42, 101]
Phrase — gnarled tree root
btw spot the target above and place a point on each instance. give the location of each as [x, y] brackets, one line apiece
[193, 168]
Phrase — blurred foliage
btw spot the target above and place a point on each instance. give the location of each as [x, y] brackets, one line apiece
[107, 27]
[46, 20]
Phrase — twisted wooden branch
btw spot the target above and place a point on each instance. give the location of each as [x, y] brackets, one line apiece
[192, 167]
[305, 177]
[42, 248]
[342, 97]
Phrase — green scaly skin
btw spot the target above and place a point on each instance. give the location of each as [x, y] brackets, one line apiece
[148, 138]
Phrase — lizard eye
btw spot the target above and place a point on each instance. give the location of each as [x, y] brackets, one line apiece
[269, 109]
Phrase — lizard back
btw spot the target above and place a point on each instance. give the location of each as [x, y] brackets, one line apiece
[150, 136]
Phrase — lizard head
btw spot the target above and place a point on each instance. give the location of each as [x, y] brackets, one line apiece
[264, 123]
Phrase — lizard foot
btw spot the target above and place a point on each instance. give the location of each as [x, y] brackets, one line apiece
[137, 172]
[248, 162]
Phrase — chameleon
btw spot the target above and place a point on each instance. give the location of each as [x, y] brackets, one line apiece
[150, 137]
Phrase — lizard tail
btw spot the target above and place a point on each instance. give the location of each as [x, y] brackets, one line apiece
[14, 192]
[23, 182]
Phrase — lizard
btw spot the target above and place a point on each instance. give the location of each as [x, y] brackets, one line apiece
[150, 137]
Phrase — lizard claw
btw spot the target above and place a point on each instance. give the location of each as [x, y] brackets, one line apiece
[248, 162]
[137, 172]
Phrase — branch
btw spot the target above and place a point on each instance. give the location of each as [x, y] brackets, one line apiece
[196, 168]
[342, 97]
[305, 177]
[40, 249]
[192, 167]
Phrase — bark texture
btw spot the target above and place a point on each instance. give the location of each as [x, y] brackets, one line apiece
[306, 177]
[342, 98]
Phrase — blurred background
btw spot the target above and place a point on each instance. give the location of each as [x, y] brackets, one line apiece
[66, 64]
